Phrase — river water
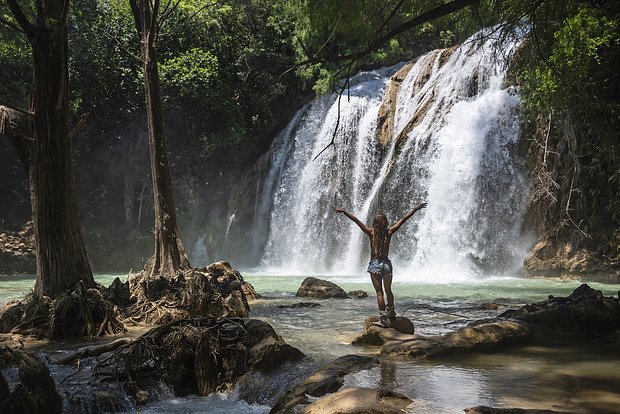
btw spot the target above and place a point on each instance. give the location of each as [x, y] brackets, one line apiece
[577, 376]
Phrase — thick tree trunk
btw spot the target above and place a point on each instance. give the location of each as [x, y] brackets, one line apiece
[44, 148]
[61, 256]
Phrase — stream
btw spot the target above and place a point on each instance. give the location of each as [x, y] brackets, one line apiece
[578, 376]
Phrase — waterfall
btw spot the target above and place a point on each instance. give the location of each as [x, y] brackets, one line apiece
[231, 218]
[199, 256]
[444, 130]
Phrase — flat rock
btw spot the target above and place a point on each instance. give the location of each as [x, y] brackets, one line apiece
[471, 338]
[322, 289]
[360, 401]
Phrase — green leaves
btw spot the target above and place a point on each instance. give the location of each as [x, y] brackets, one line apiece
[190, 74]
[576, 52]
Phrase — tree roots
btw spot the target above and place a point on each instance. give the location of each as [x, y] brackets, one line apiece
[80, 313]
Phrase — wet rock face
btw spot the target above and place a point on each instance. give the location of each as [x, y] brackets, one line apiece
[197, 356]
[34, 393]
[357, 400]
[471, 338]
[312, 287]
[585, 312]
[328, 379]
[359, 294]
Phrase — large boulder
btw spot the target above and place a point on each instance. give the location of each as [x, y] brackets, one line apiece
[585, 312]
[328, 379]
[471, 338]
[36, 390]
[356, 400]
[312, 287]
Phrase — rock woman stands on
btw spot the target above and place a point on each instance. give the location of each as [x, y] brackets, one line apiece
[380, 266]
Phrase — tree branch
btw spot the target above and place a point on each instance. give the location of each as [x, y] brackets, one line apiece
[377, 43]
[138, 17]
[12, 25]
[79, 125]
[21, 18]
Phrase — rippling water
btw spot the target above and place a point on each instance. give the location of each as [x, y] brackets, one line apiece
[572, 376]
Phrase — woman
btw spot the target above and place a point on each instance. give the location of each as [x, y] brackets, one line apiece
[380, 266]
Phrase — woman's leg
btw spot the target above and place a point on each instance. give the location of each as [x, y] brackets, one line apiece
[376, 283]
[387, 284]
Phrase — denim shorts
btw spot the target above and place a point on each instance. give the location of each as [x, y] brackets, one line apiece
[380, 266]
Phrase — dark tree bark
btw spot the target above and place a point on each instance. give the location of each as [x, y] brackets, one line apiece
[61, 255]
[170, 256]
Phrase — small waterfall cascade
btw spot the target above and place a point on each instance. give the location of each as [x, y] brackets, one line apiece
[442, 130]
[231, 218]
[199, 256]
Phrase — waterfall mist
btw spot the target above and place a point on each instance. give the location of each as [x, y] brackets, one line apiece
[443, 130]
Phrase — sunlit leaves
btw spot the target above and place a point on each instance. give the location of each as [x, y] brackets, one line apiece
[191, 73]
[566, 73]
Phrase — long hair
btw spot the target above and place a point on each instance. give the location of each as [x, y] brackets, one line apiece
[380, 231]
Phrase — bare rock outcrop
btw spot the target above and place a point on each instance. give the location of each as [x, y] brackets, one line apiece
[585, 312]
[467, 339]
[328, 379]
[312, 287]
[36, 390]
[359, 400]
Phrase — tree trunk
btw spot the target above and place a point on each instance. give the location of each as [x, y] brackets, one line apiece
[47, 156]
[61, 255]
[170, 256]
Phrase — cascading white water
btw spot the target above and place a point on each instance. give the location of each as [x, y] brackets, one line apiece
[451, 142]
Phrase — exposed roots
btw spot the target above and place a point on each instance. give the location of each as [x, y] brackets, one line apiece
[79, 313]
[197, 356]
[164, 310]
[184, 353]
[215, 291]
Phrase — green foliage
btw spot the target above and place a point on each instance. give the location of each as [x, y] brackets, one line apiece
[572, 80]
[566, 74]
[191, 74]
[327, 30]
[15, 64]
[103, 64]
